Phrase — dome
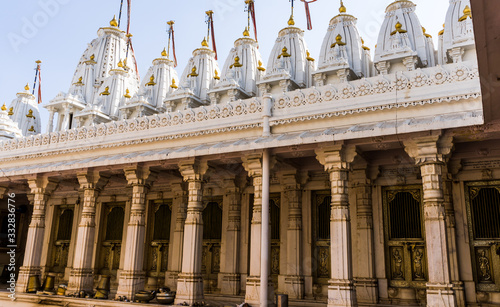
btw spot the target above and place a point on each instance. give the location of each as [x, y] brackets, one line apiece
[25, 113]
[289, 59]
[241, 71]
[199, 77]
[343, 48]
[8, 128]
[458, 35]
[402, 42]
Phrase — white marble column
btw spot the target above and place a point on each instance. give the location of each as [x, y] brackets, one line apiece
[365, 281]
[294, 279]
[132, 278]
[41, 188]
[336, 159]
[176, 247]
[50, 126]
[190, 281]
[430, 153]
[231, 248]
[81, 277]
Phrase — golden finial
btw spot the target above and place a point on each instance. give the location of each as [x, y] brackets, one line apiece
[363, 45]
[151, 81]
[236, 62]
[342, 8]
[291, 22]
[246, 33]
[127, 94]
[467, 14]
[399, 29]
[4, 108]
[164, 52]
[308, 56]
[79, 81]
[120, 64]
[284, 53]
[204, 43]
[27, 87]
[11, 111]
[260, 68]
[338, 41]
[442, 31]
[92, 57]
[30, 114]
[32, 129]
[106, 92]
[113, 22]
[426, 34]
[173, 84]
[193, 72]
[216, 77]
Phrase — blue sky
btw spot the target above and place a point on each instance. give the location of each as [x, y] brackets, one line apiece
[58, 31]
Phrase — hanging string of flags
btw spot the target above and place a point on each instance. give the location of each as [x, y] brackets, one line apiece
[211, 30]
[128, 35]
[171, 40]
[38, 77]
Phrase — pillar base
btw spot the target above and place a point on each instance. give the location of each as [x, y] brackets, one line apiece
[24, 275]
[81, 280]
[440, 295]
[341, 293]
[294, 286]
[129, 283]
[171, 278]
[230, 284]
[366, 290]
[252, 296]
[189, 288]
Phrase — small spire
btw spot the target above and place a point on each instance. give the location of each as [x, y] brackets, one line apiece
[342, 8]
[363, 45]
[442, 31]
[106, 92]
[338, 41]
[236, 63]
[113, 22]
[308, 56]
[193, 72]
[127, 94]
[4, 108]
[120, 64]
[246, 33]
[260, 68]
[11, 111]
[27, 87]
[164, 52]
[32, 129]
[426, 34]
[291, 22]
[151, 81]
[399, 29]
[30, 114]
[284, 53]
[216, 77]
[173, 84]
[467, 14]
[204, 43]
[79, 81]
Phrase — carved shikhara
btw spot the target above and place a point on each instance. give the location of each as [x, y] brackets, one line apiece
[376, 94]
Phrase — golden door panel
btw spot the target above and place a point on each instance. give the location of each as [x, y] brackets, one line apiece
[159, 237]
[111, 244]
[406, 256]
[63, 226]
[321, 211]
[483, 214]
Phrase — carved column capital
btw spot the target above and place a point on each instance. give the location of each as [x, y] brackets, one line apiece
[42, 185]
[253, 164]
[336, 157]
[92, 179]
[192, 169]
[429, 149]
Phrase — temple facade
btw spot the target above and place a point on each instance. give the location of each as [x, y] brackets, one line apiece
[343, 181]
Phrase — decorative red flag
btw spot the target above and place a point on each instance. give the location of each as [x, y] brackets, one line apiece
[251, 9]
[308, 13]
[128, 15]
[214, 47]
[173, 47]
